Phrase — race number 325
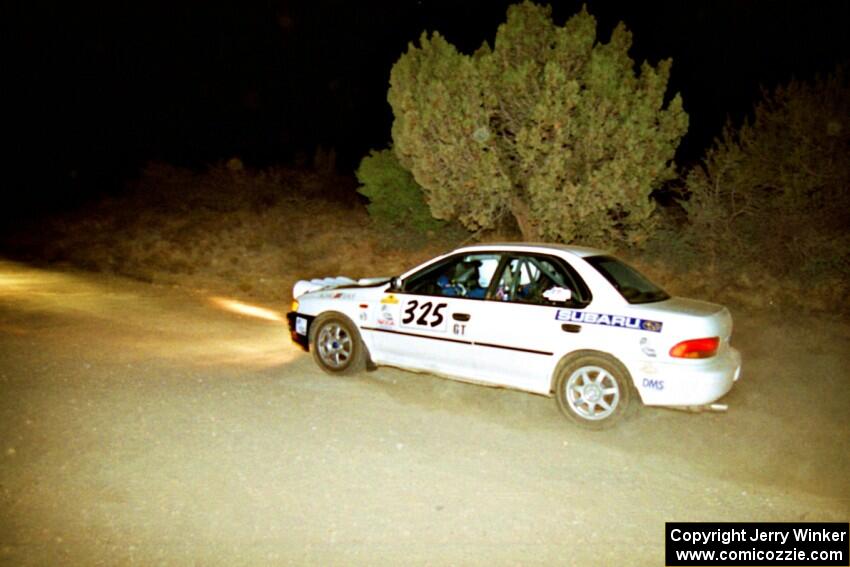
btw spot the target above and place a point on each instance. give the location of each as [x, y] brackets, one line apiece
[424, 315]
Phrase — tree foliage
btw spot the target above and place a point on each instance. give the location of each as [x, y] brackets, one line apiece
[777, 188]
[395, 199]
[549, 127]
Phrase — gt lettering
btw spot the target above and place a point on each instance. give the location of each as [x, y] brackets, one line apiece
[425, 314]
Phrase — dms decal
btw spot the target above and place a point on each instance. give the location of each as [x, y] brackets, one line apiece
[653, 384]
[608, 320]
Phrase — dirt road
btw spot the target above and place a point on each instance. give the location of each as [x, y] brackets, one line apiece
[146, 425]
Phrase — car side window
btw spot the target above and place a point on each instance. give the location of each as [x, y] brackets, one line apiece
[535, 280]
[468, 276]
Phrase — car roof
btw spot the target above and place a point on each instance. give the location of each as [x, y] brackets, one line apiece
[580, 251]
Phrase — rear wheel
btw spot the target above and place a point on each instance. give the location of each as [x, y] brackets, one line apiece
[593, 390]
[336, 344]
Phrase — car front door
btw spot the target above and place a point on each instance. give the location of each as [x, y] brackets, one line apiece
[428, 322]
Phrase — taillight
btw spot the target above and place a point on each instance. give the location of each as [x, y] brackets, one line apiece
[696, 348]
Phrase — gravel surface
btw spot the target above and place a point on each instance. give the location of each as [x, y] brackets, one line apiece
[148, 425]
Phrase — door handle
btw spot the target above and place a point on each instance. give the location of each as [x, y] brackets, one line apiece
[460, 316]
[570, 328]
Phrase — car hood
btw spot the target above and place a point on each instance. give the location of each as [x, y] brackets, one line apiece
[302, 287]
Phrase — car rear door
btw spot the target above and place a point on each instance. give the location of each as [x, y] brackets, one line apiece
[517, 335]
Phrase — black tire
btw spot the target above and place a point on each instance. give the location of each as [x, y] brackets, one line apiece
[593, 390]
[336, 344]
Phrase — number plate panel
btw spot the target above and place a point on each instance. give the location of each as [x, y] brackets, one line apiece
[424, 315]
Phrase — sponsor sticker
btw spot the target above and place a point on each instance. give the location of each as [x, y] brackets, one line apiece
[385, 317]
[301, 326]
[389, 299]
[556, 294]
[336, 295]
[605, 319]
[647, 348]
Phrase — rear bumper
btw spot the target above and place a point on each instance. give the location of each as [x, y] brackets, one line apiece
[683, 384]
[299, 332]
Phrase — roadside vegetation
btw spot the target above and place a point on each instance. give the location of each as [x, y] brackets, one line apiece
[768, 208]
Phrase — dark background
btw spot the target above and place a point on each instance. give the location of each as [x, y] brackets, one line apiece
[98, 89]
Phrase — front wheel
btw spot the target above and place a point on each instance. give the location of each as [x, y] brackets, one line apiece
[593, 390]
[336, 344]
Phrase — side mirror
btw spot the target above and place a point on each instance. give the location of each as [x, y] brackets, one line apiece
[395, 284]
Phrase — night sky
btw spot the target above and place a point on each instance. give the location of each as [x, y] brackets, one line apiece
[98, 89]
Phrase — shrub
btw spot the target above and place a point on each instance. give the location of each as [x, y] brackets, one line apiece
[395, 199]
[549, 127]
[774, 192]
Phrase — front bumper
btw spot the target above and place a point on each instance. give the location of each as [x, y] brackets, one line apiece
[299, 331]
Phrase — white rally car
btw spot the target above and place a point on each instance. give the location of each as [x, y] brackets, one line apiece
[567, 321]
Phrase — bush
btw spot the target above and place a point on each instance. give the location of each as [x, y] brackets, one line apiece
[395, 199]
[550, 128]
[774, 192]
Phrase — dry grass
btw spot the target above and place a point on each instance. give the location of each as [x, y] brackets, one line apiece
[228, 230]
[253, 234]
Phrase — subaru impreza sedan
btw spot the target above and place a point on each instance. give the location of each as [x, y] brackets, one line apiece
[569, 322]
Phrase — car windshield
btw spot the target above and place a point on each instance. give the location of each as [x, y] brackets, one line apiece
[632, 285]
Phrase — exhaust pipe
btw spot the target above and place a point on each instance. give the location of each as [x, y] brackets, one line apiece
[716, 408]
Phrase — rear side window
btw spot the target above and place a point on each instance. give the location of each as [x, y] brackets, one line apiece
[539, 280]
[632, 285]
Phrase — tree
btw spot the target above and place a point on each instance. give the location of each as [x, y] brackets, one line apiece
[549, 127]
